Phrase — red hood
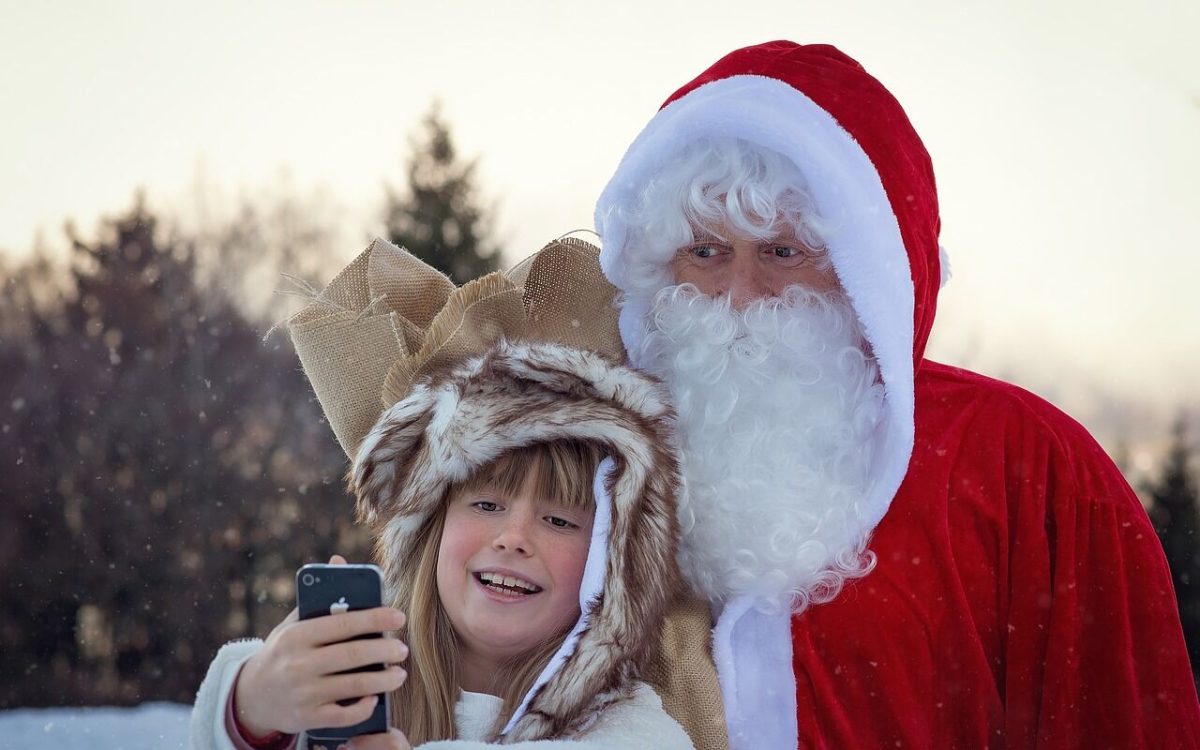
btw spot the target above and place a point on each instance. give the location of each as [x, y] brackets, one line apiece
[869, 176]
[876, 121]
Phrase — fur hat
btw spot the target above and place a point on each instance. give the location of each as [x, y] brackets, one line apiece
[517, 395]
[463, 375]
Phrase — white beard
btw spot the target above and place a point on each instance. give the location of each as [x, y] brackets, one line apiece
[778, 405]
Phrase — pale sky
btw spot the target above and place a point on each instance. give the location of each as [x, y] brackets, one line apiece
[1065, 136]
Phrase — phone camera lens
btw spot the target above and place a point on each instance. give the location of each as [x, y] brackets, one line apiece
[307, 580]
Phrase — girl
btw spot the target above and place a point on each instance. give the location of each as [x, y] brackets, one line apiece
[522, 504]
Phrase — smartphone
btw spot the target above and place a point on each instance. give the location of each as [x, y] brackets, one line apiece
[329, 590]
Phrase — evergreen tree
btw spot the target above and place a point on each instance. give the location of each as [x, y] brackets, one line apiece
[1176, 518]
[438, 216]
[165, 473]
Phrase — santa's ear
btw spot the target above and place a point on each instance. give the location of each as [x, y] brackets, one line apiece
[384, 461]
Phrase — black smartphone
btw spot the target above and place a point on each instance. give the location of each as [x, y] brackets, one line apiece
[324, 590]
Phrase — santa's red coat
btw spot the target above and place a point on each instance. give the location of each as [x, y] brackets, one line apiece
[1021, 598]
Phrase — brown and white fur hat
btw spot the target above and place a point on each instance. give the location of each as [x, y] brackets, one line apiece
[515, 394]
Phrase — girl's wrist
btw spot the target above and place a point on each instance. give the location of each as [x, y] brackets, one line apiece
[243, 739]
[250, 729]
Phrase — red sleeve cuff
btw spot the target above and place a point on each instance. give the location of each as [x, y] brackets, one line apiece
[242, 740]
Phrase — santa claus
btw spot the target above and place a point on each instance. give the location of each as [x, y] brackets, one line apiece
[894, 552]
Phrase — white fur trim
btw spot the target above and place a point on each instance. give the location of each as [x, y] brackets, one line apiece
[944, 265]
[864, 239]
[590, 587]
[752, 651]
[208, 714]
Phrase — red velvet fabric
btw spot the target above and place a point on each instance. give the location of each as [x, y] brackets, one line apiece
[1021, 598]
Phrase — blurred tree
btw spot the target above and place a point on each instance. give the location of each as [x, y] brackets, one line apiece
[166, 474]
[243, 247]
[1175, 510]
[437, 217]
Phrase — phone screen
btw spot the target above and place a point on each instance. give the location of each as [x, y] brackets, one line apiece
[329, 590]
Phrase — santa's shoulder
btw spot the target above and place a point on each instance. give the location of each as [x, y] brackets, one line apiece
[977, 413]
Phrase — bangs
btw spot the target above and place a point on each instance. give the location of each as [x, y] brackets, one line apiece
[562, 471]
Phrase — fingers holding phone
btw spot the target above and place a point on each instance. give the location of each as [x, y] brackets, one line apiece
[294, 684]
[343, 648]
[327, 675]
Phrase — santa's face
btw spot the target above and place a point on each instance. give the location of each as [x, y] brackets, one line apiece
[724, 260]
[733, 301]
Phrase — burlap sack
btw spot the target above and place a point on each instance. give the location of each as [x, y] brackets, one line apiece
[389, 319]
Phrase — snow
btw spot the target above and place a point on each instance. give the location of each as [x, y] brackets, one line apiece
[151, 726]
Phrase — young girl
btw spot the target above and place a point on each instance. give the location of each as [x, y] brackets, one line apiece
[522, 504]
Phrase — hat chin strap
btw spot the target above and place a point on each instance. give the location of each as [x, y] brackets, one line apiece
[753, 654]
[590, 588]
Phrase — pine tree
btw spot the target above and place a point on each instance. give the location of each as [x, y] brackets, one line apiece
[438, 216]
[1175, 510]
[165, 472]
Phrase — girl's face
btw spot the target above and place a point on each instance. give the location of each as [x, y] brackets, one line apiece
[509, 569]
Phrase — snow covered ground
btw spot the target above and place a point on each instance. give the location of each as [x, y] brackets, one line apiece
[151, 726]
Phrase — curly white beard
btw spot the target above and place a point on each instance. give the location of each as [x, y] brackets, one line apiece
[777, 408]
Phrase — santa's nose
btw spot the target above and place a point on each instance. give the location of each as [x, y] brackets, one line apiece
[746, 282]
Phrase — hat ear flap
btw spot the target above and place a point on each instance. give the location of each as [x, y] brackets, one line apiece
[382, 476]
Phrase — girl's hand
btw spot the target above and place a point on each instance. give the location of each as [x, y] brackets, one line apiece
[393, 740]
[292, 684]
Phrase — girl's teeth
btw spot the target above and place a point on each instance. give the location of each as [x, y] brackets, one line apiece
[511, 582]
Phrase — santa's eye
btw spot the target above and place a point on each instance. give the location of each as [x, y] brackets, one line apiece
[702, 248]
[794, 255]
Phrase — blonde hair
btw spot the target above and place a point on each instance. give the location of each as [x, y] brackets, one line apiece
[424, 705]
